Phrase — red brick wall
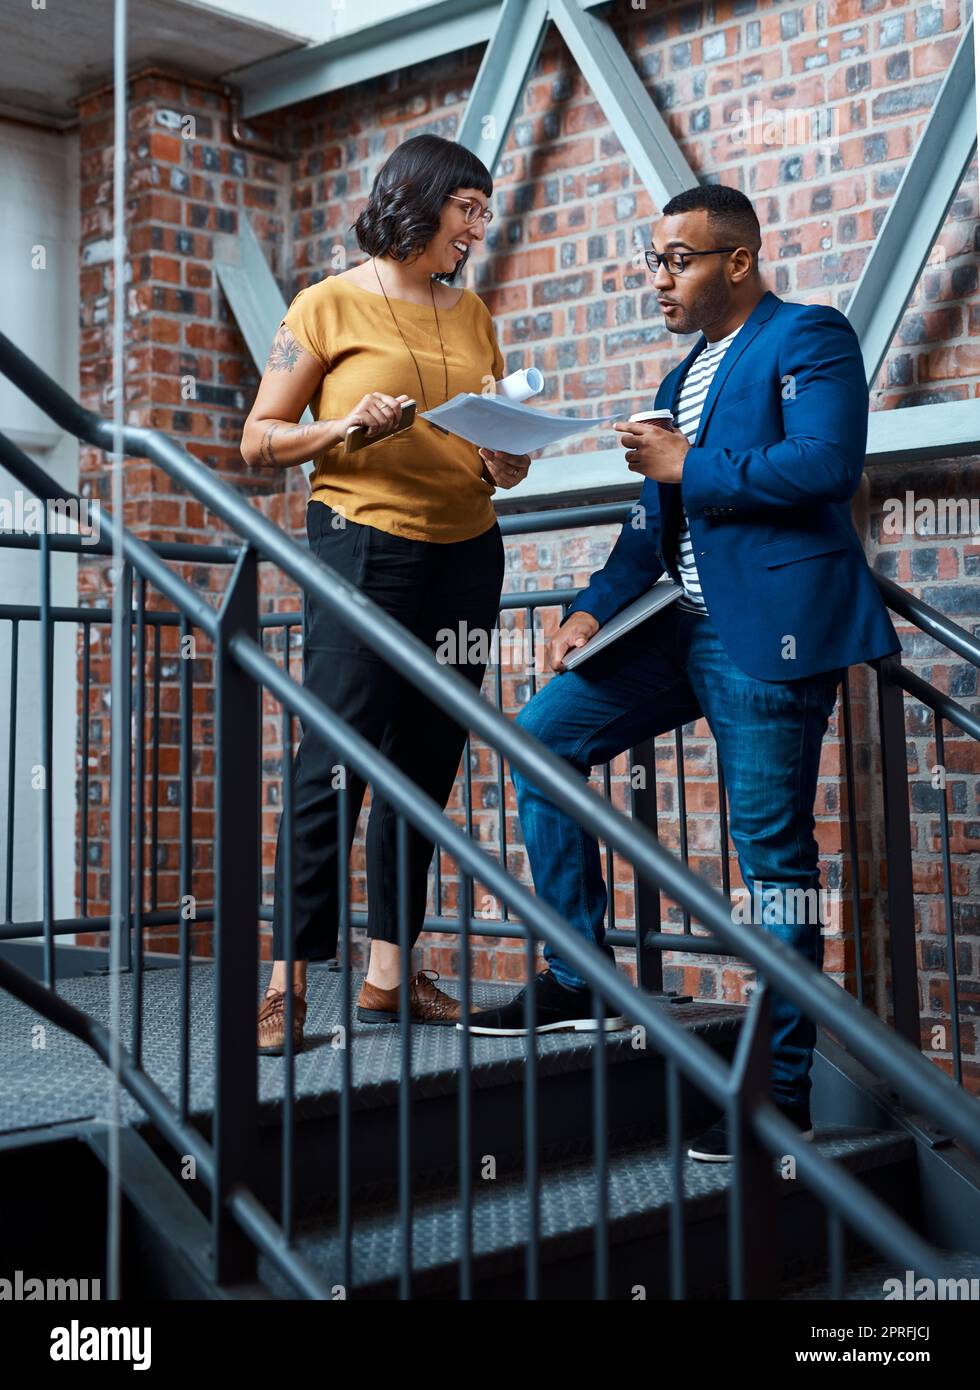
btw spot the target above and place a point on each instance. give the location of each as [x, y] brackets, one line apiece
[188, 374]
[566, 296]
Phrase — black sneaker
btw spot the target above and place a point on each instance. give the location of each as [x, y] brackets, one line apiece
[713, 1146]
[556, 1009]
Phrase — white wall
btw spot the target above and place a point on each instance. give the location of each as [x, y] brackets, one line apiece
[39, 208]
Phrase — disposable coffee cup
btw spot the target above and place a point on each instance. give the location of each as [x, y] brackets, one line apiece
[663, 418]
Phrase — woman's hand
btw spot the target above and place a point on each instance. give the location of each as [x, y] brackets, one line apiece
[505, 470]
[376, 412]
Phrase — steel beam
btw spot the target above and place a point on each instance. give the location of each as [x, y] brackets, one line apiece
[253, 295]
[503, 76]
[976, 68]
[389, 46]
[593, 474]
[949, 429]
[413, 37]
[943, 431]
[626, 103]
[930, 183]
[515, 30]
[250, 288]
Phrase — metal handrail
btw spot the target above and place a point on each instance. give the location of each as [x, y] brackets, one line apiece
[930, 620]
[899, 600]
[869, 1038]
[695, 1059]
[184, 1138]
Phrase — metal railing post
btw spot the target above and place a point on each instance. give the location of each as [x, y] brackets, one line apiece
[898, 851]
[241, 673]
[752, 1215]
[125, 695]
[46, 671]
[236, 939]
[646, 896]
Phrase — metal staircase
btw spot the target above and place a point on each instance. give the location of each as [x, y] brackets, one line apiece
[485, 1167]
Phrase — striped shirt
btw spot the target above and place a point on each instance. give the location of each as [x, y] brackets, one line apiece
[694, 391]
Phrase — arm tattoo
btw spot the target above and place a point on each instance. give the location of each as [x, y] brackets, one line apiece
[303, 431]
[265, 451]
[284, 353]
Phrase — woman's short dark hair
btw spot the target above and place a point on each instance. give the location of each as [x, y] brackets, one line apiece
[409, 192]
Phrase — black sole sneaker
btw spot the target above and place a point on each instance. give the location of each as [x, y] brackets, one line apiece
[556, 1010]
[713, 1145]
[381, 1016]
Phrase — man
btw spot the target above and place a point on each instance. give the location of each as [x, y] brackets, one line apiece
[747, 505]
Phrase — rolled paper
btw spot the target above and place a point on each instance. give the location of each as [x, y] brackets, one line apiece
[520, 385]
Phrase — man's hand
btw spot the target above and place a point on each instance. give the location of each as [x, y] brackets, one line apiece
[574, 632]
[505, 470]
[655, 452]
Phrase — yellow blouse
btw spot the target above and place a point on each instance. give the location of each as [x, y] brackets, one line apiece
[420, 484]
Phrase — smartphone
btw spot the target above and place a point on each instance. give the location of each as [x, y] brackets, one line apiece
[356, 439]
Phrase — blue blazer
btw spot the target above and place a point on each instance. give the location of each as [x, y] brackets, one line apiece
[767, 487]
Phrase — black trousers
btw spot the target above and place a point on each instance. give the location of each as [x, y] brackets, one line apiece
[429, 587]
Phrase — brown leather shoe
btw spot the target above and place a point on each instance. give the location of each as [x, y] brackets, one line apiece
[272, 1023]
[427, 1004]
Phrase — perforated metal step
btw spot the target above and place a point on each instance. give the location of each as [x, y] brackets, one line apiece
[640, 1189]
[49, 1076]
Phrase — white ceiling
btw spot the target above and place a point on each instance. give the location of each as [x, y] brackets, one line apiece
[50, 56]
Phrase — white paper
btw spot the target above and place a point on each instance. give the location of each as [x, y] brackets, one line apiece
[494, 423]
[520, 385]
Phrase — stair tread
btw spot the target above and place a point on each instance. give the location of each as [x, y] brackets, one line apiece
[66, 1080]
[640, 1187]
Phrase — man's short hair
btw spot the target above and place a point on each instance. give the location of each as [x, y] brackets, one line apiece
[731, 216]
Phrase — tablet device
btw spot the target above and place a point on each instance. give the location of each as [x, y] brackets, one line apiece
[356, 439]
[665, 591]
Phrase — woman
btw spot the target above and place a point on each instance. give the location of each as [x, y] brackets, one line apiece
[408, 520]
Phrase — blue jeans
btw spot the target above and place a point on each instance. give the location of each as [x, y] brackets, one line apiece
[669, 672]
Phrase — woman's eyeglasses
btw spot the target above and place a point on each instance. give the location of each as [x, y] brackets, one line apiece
[674, 260]
[472, 209]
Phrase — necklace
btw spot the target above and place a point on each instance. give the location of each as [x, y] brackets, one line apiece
[445, 388]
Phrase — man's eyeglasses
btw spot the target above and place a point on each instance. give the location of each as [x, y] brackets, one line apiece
[472, 209]
[674, 260]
